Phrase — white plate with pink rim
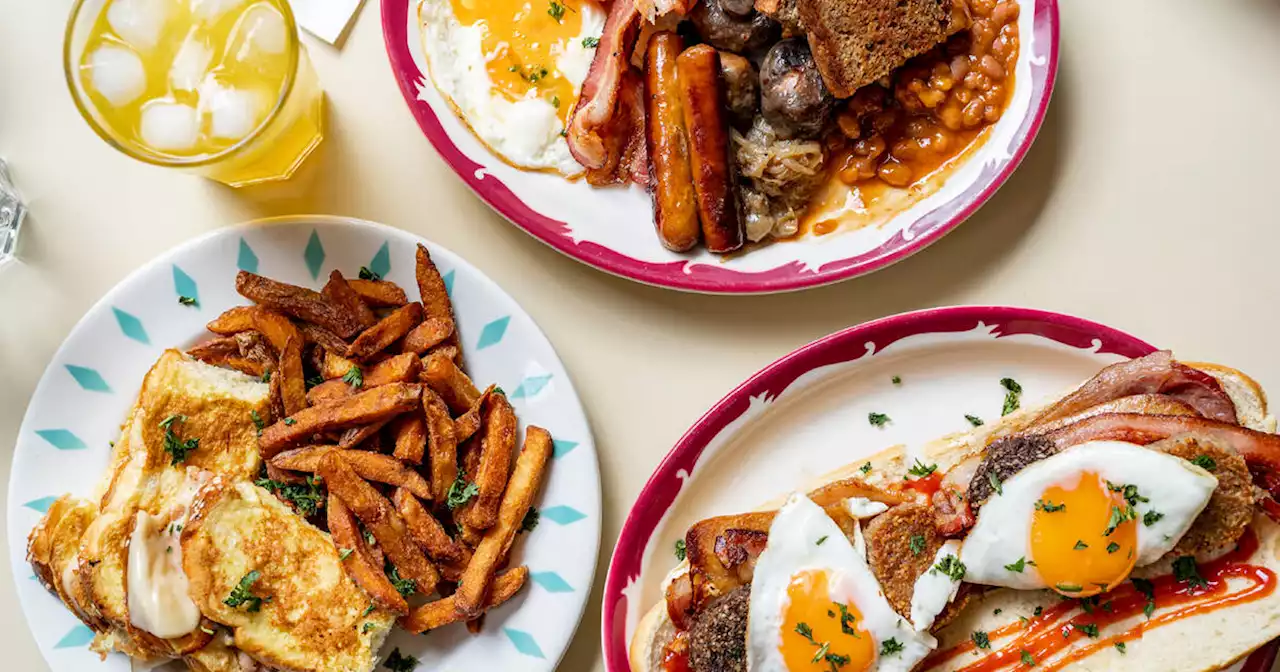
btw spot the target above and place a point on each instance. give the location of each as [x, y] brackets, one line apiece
[612, 228]
[77, 408]
[807, 414]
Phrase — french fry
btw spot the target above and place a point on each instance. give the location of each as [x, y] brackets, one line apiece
[467, 424]
[435, 296]
[496, 448]
[379, 293]
[399, 369]
[447, 350]
[410, 432]
[475, 625]
[432, 332]
[336, 365]
[369, 406]
[381, 519]
[390, 329]
[367, 465]
[305, 304]
[330, 392]
[305, 458]
[345, 299]
[444, 611]
[427, 532]
[525, 479]
[441, 444]
[360, 563]
[327, 340]
[283, 336]
[216, 350]
[443, 376]
[354, 436]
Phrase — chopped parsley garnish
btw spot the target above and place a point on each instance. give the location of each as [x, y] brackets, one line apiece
[897, 380]
[1090, 630]
[290, 421]
[405, 587]
[1080, 545]
[344, 553]
[1129, 492]
[591, 42]
[805, 631]
[974, 420]
[1185, 571]
[461, 491]
[847, 621]
[1205, 462]
[1119, 516]
[207, 631]
[531, 518]
[1068, 588]
[866, 468]
[266, 376]
[1018, 566]
[890, 647]
[366, 274]
[187, 300]
[1012, 395]
[951, 567]
[1146, 588]
[877, 419]
[1151, 518]
[240, 595]
[305, 497]
[367, 627]
[1048, 506]
[1113, 547]
[257, 421]
[921, 470]
[1027, 658]
[176, 447]
[1039, 610]
[917, 544]
[313, 381]
[367, 610]
[681, 550]
[556, 11]
[980, 639]
[399, 662]
[1120, 647]
[821, 540]
[555, 102]
[1088, 603]
[354, 377]
[996, 483]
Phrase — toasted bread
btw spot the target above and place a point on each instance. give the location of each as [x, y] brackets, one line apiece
[856, 42]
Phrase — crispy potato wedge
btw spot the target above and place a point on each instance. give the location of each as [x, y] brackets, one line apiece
[305, 458]
[441, 445]
[404, 368]
[435, 296]
[425, 529]
[283, 336]
[336, 366]
[379, 293]
[354, 436]
[330, 392]
[525, 480]
[410, 432]
[466, 425]
[381, 519]
[444, 611]
[370, 406]
[447, 350]
[390, 329]
[367, 465]
[496, 449]
[216, 350]
[432, 332]
[444, 376]
[345, 299]
[475, 625]
[305, 304]
[327, 340]
[361, 565]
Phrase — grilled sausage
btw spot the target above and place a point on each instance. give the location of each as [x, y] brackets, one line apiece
[793, 96]
[706, 115]
[675, 208]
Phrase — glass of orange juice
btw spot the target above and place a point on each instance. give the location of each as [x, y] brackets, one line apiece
[220, 88]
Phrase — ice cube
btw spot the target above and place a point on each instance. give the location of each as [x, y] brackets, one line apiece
[139, 22]
[170, 126]
[233, 113]
[260, 29]
[191, 63]
[211, 10]
[117, 73]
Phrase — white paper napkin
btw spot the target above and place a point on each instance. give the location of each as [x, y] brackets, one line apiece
[326, 19]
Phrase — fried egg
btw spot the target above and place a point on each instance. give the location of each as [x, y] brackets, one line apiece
[512, 71]
[1080, 521]
[815, 604]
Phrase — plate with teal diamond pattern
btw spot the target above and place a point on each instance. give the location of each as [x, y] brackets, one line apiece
[79, 404]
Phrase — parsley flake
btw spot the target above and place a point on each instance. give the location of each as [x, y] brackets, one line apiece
[1012, 395]
[877, 419]
[591, 42]
[1113, 547]
[240, 595]
[822, 540]
[399, 662]
[1151, 518]
[974, 420]
[1080, 545]
[405, 587]
[996, 483]
[187, 300]
[1185, 571]
[917, 544]
[1048, 506]
[354, 377]
[951, 567]
[556, 11]
[176, 447]
[1018, 566]
[980, 639]
[682, 551]
[461, 491]
[891, 646]
[305, 497]
[922, 470]
[366, 274]
[866, 468]
[897, 380]
[1026, 657]
[1120, 647]
[1205, 462]
[531, 519]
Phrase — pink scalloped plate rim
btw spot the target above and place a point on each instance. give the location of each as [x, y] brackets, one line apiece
[717, 279]
[660, 492]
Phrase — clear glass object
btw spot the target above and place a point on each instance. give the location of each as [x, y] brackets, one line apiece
[220, 88]
[12, 212]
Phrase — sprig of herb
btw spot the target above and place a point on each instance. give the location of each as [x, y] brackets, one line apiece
[1185, 571]
[405, 587]
[241, 595]
[891, 646]
[366, 274]
[996, 483]
[1017, 566]
[305, 497]
[354, 377]
[1119, 516]
[1012, 395]
[950, 567]
[461, 491]
[682, 551]
[922, 470]
[399, 662]
[917, 544]
[176, 447]
[877, 419]
[1026, 658]
[1048, 506]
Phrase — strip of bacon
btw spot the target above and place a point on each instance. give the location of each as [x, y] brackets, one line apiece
[588, 131]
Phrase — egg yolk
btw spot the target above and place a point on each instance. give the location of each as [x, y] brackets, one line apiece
[819, 632]
[1084, 537]
[522, 39]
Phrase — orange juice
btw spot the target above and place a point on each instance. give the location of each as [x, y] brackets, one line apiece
[219, 87]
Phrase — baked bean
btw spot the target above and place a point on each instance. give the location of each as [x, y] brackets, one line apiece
[1005, 13]
[992, 67]
[849, 125]
[896, 174]
[871, 147]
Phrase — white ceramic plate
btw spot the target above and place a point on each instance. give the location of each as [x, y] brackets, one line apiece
[80, 402]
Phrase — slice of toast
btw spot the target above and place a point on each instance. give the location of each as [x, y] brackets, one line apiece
[856, 42]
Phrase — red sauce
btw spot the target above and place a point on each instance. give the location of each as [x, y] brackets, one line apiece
[1048, 635]
[926, 485]
[676, 656]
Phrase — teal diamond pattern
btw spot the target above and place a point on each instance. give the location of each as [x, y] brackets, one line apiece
[381, 264]
[246, 260]
[562, 448]
[448, 283]
[314, 254]
[551, 582]
[42, 505]
[184, 285]
[61, 439]
[562, 515]
[531, 386]
[493, 332]
[524, 642]
[88, 378]
[79, 636]
[131, 326]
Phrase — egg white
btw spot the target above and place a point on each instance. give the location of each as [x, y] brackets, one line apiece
[525, 133]
[934, 590]
[793, 548]
[1174, 487]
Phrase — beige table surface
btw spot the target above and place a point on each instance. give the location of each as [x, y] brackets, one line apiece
[1147, 203]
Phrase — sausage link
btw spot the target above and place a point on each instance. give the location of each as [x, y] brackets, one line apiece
[675, 210]
[706, 109]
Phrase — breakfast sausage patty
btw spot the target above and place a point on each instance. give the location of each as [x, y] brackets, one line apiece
[1230, 508]
[896, 561]
[718, 638]
[1004, 458]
